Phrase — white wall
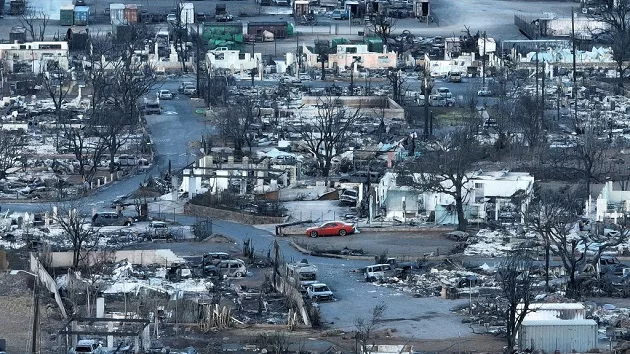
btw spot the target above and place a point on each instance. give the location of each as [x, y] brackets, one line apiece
[567, 336]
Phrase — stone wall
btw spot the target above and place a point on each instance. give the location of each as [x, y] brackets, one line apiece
[229, 215]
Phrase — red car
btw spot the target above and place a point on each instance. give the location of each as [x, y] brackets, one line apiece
[332, 228]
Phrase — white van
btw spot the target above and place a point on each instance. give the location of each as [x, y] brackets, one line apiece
[378, 272]
[232, 268]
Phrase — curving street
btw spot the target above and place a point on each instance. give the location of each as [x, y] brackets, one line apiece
[173, 132]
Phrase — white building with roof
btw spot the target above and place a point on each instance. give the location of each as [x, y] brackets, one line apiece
[488, 196]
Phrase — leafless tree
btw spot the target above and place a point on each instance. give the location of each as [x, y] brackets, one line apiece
[382, 25]
[322, 49]
[11, 144]
[87, 148]
[446, 167]
[131, 79]
[326, 133]
[56, 83]
[554, 215]
[35, 23]
[216, 88]
[366, 327]
[99, 70]
[235, 122]
[587, 159]
[615, 23]
[397, 83]
[527, 120]
[516, 286]
[77, 230]
[180, 26]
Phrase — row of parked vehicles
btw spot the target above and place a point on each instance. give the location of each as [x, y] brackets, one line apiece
[304, 276]
[154, 107]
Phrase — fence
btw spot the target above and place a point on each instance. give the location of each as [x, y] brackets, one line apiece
[38, 269]
[530, 30]
[284, 287]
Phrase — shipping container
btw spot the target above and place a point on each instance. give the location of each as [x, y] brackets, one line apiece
[187, 15]
[556, 335]
[117, 14]
[81, 14]
[66, 15]
[17, 34]
[131, 14]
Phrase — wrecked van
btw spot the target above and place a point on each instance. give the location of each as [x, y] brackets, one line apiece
[228, 268]
[87, 346]
[378, 272]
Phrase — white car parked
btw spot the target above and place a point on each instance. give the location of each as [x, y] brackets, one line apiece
[165, 95]
[319, 292]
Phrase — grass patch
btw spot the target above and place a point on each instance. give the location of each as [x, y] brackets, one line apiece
[453, 116]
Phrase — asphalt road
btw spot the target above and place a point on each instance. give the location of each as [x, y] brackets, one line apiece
[172, 134]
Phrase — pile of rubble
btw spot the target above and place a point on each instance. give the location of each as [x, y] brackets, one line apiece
[498, 243]
[433, 282]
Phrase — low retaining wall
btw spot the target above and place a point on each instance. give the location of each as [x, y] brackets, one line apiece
[229, 215]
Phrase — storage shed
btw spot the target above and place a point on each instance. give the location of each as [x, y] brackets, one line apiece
[551, 335]
[278, 28]
[17, 34]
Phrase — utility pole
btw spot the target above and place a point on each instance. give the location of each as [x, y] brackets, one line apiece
[542, 94]
[537, 101]
[276, 260]
[298, 61]
[574, 93]
[483, 61]
[197, 56]
[427, 92]
[35, 312]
